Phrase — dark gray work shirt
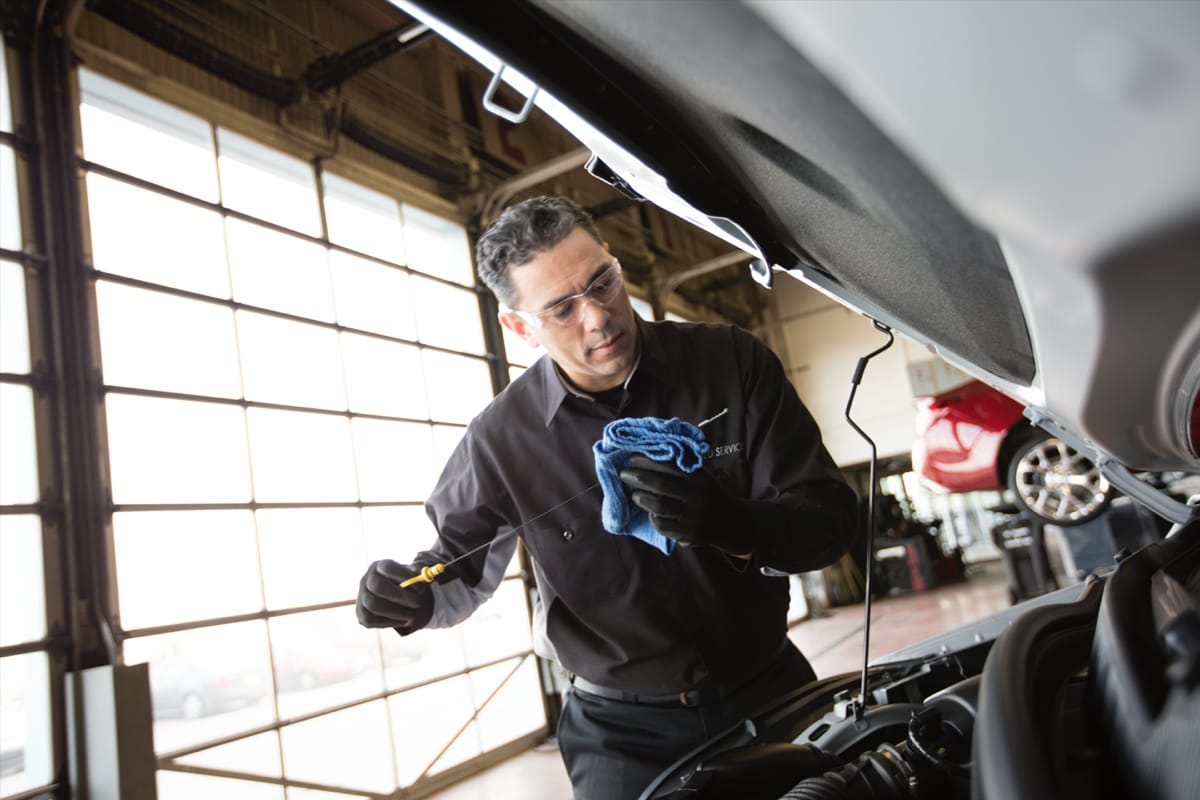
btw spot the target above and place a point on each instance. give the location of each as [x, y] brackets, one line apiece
[612, 608]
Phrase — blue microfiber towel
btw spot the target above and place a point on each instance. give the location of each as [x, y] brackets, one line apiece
[659, 439]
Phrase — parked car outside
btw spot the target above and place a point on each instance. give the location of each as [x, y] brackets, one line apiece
[182, 687]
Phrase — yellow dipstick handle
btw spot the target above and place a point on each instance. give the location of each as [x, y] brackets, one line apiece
[426, 575]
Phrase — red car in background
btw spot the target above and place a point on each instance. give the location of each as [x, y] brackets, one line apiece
[972, 438]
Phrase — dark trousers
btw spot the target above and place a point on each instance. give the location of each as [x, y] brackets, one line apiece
[614, 749]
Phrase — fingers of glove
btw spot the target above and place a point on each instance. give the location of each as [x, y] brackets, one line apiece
[662, 505]
[677, 528]
[391, 617]
[382, 582]
[668, 484]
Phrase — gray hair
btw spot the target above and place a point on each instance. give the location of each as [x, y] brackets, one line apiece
[520, 234]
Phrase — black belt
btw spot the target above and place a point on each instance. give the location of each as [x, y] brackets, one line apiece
[689, 698]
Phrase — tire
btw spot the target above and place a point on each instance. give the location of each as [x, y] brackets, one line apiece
[1054, 482]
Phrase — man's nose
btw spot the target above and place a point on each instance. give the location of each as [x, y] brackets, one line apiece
[594, 314]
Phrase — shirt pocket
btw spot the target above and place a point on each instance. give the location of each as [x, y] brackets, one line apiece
[581, 562]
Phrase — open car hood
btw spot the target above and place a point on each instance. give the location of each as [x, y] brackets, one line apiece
[1015, 186]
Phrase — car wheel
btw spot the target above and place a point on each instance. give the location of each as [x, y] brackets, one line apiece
[193, 707]
[1055, 482]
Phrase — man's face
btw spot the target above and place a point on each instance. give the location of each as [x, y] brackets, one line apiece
[598, 347]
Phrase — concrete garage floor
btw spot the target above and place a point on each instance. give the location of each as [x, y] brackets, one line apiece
[832, 642]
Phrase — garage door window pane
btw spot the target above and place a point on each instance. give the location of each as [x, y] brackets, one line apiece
[169, 562]
[300, 457]
[383, 377]
[372, 297]
[153, 340]
[445, 439]
[500, 627]
[310, 556]
[134, 133]
[255, 755]
[442, 707]
[515, 709]
[323, 659]
[395, 460]
[10, 209]
[363, 220]
[290, 363]
[206, 683]
[25, 721]
[349, 748]
[280, 272]
[437, 246]
[5, 107]
[144, 235]
[461, 388]
[22, 590]
[447, 317]
[14, 323]
[184, 786]
[518, 351]
[397, 532]
[18, 458]
[268, 184]
[176, 451]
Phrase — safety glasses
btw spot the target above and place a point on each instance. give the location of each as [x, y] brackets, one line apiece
[603, 289]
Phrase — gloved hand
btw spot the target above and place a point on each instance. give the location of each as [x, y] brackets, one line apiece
[383, 604]
[691, 508]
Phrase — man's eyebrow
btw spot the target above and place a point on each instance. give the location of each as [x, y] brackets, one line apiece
[599, 270]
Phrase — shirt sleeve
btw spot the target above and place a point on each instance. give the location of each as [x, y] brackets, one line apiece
[467, 515]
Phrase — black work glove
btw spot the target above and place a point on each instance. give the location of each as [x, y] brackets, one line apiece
[383, 604]
[691, 508]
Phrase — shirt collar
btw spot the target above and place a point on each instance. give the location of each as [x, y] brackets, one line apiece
[651, 362]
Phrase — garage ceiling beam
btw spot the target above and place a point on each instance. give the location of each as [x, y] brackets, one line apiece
[328, 71]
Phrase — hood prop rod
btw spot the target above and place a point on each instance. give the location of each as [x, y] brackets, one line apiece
[859, 705]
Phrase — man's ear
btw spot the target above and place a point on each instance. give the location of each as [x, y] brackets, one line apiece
[520, 327]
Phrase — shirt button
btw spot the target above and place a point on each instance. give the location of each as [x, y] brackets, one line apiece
[568, 535]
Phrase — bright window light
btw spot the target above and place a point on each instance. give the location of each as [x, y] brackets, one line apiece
[384, 377]
[447, 317]
[301, 458]
[516, 707]
[442, 707]
[22, 589]
[24, 721]
[290, 363]
[372, 297]
[153, 340]
[280, 272]
[310, 556]
[463, 388]
[176, 451]
[363, 219]
[395, 460]
[322, 659]
[14, 321]
[268, 184]
[10, 209]
[143, 235]
[18, 456]
[206, 683]
[136, 134]
[349, 748]
[218, 549]
[437, 246]
[254, 755]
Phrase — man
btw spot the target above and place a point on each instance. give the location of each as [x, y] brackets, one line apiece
[664, 650]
